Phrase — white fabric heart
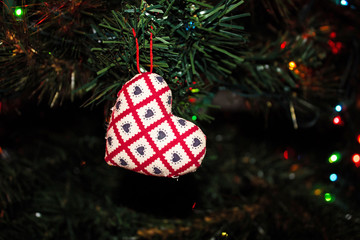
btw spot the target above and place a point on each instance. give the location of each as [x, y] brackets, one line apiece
[144, 136]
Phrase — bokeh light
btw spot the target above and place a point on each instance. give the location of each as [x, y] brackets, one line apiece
[335, 157]
[337, 120]
[19, 12]
[333, 177]
[292, 65]
[317, 192]
[338, 108]
[356, 158]
[344, 2]
[328, 197]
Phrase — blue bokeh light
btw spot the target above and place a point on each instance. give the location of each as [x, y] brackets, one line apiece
[344, 2]
[338, 108]
[333, 177]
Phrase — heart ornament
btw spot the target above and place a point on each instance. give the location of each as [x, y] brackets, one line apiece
[144, 136]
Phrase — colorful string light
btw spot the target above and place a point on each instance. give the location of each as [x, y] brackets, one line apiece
[195, 90]
[337, 120]
[194, 205]
[190, 26]
[338, 108]
[286, 154]
[335, 46]
[18, 12]
[333, 177]
[356, 159]
[335, 157]
[344, 2]
[317, 192]
[292, 65]
[194, 118]
[358, 138]
[328, 197]
[289, 153]
[192, 100]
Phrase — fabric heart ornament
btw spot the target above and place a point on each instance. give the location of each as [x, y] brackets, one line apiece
[144, 136]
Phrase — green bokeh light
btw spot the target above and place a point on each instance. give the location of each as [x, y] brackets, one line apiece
[19, 12]
[335, 157]
[194, 118]
[328, 197]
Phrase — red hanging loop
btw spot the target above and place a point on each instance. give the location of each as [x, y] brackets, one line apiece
[151, 53]
[138, 54]
[137, 51]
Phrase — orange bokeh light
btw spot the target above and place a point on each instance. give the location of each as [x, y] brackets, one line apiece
[356, 158]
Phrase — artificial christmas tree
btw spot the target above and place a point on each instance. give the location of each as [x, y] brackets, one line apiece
[274, 85]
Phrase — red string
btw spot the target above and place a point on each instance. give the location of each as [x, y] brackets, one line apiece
[151, 53]
[137, 51]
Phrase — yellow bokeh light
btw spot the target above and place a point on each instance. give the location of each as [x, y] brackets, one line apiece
[195, 90]
[292, 65]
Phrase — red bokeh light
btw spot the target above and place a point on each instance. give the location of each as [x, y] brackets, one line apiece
[356, 159]
[192, 100]
[286, 154]
[337, 120]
